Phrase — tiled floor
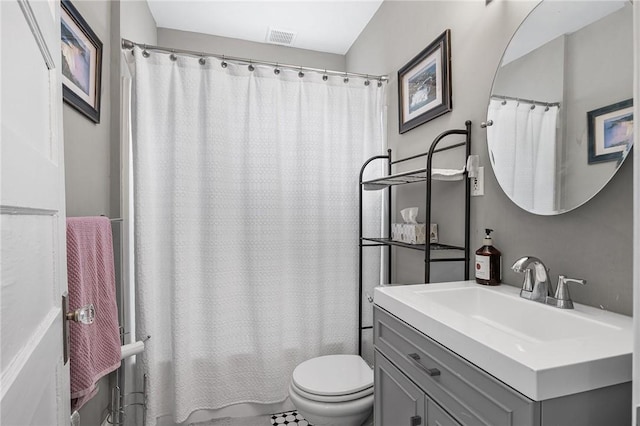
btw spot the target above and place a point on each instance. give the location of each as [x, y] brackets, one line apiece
[292, 418]
[289, 418]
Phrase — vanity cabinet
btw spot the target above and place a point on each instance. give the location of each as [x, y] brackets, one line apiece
[420, 382]
[401, 402]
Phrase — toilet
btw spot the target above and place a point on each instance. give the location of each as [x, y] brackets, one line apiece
[333, 390]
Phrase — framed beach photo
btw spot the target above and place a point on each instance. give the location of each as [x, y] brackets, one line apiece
[610, 132]
[81, 63]
[424, 84]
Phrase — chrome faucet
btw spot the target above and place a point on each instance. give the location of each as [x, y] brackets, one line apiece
[562, 298]
[541, 288]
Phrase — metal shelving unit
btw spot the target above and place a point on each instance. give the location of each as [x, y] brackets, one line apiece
[433, 252]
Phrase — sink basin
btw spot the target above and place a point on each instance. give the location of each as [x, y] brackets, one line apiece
[540, 350]
[516, 316]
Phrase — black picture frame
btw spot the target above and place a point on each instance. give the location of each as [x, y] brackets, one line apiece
[81, 60]
[424, 85]
[610, 132]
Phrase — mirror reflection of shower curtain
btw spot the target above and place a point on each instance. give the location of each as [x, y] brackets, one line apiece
[246, 228]
[523, 152]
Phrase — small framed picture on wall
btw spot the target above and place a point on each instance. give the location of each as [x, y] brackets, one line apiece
[424, 84]
[610, 132]
[81, 63]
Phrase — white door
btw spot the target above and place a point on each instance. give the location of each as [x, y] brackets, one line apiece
[34, 385]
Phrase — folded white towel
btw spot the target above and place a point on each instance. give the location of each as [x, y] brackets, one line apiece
[447, 174]
[375, 186]
[417, 176]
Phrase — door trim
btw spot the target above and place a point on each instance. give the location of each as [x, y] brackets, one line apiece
[30, 17]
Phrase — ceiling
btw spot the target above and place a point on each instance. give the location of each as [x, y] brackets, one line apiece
[320, 25]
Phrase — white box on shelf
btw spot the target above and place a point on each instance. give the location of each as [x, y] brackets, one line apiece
[413, 233]
[396, 231]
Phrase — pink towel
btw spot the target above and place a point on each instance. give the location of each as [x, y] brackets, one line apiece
[94, 348]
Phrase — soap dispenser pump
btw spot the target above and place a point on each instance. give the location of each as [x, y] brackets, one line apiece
[488, 262]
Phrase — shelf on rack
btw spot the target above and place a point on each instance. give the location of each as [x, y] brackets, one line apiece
[435, 247]
[411, 177]
[432, 252]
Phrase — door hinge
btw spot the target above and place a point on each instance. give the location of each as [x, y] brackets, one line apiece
[415, 421]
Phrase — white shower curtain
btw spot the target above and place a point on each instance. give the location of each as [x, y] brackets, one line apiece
[523, 152]
[246, 219]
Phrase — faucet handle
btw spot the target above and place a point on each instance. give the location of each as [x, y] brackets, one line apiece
[562, 298]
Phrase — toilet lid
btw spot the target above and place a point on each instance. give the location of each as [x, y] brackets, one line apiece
[333, 375]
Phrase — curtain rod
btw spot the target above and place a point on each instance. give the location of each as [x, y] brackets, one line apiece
[529, 101]
[129, 45]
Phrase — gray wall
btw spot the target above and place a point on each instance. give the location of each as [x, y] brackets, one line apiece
[92, 151]
[88, 164]
[249, 49]
[593, 242]
[136, 22]
[87, 145]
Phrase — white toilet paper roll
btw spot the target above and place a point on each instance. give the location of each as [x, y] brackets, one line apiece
[131, 349]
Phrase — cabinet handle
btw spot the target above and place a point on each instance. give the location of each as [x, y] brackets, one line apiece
[415, 358]
[415, 421]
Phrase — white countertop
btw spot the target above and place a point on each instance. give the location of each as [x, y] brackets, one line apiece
[541, 351]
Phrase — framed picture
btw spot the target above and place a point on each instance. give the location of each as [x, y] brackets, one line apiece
[610, 131]
[424, 84]
[81, 63]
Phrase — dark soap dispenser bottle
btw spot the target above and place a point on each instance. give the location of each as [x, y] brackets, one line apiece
[488, 262]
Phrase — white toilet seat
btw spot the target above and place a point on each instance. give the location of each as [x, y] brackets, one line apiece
[357, 408]
[334, 376]
[332, 398]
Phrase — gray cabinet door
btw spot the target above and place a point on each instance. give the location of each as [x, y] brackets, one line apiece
[436, 416]
[398, 402]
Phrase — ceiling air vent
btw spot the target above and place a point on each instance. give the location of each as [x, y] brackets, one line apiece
[278, 36]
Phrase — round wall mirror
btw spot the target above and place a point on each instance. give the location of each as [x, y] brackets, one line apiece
[560, 115]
